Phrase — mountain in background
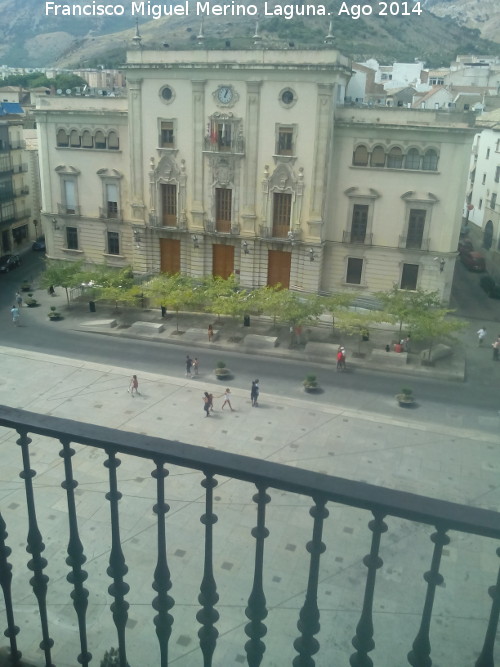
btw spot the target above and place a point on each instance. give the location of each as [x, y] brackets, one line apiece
[29, 38]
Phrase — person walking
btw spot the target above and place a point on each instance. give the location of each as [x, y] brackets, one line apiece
[195, 365]
[254, 393]
[14, 311]
[206, 404]
[341, 358]
[481, 335]
[227, 399]
[133, 387]
[19, 299]
[210, 333]
[496, 348]
[189, 364]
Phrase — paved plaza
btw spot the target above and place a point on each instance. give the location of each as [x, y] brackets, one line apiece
[408, 450]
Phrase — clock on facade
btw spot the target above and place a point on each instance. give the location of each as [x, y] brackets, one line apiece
[225, 94]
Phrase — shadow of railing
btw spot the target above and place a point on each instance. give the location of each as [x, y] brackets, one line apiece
[269, 478]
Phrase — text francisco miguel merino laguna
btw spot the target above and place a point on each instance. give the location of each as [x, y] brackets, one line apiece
[184, 8]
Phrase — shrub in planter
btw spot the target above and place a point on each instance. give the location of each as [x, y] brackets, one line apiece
[221, 370]
[54, 314]
[405, 398]
[311, 383]
[30, 301]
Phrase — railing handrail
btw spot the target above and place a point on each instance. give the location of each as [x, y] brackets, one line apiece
[390, 502]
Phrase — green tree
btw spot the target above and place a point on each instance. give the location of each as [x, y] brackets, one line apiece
[63, 274]
[336, 303]
[434, 323]
[289, 307]
[218, 292]
[405, 304]
[357, 323]
[176, 291]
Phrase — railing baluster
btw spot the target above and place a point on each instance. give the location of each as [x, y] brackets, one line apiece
[35, 547]
[308, 624]
[420, 655]
[256, 610]
[76, 557]
[363, 639]
[5, 582]
[208, 596]
[117, 568]
[162, 582]
[486, 658]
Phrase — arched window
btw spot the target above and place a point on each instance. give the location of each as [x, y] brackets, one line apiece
[430, 161]
[113, 141]
[74, 139]
[488, 235]
[99, 139]
[395, 158]
[378, 157]
[412, 159]
[62, 138]
[87, 139]
[360, 157]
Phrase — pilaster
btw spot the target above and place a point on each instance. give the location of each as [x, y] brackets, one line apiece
[249, 180]
[197, 208]
[135, 143]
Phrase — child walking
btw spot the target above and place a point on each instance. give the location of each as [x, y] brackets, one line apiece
[134, 385]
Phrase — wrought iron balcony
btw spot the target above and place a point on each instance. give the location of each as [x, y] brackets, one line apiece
[110, 213]
[68, 209]
[414, 243]
[21, 192]
[236, 145]
[356, 237]
[280, 233]
[222, 227]
[16, 145]
[26, 614]
[19, 168]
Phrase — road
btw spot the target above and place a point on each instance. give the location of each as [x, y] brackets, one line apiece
[361, 389]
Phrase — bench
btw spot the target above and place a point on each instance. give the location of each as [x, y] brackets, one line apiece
[196, 334]
[319, 351]
[256, 341]
[103, 324]
[439, 351]
[148, 328]
[389, 358]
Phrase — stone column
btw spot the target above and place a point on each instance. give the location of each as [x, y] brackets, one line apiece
[199, 130]
[249, 180]
[322, 145]
[135, 142]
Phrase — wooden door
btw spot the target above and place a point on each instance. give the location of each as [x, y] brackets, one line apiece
[170, 256]
[278, 268]
[222, 260]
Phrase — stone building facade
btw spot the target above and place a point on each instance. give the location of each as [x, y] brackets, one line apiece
[247, 162]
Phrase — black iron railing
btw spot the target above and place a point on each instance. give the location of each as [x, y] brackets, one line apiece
[268, 478]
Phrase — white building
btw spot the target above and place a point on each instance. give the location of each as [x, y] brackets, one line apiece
[246, 162]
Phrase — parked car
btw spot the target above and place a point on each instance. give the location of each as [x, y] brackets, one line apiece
[465, 246]
[491, 288]
[39, 244]
[8, 262]
[474, 261]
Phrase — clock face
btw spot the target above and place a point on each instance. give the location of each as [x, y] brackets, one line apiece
[225, 94]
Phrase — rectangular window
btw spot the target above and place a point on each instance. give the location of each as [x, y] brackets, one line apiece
[113, 243]
[480, 205]
[111, 200]
[416, 226]
[497, 175]
[484, 179]
[69, 196]
[167, 134]
[488, 154]
[409, 276]
[285, 141]
[359, 223]
[224, 132]
[493, 201]
[282, 209]
[223, 209]
[72, 238]
[5, 163]
[169, 204]
[354, 270]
